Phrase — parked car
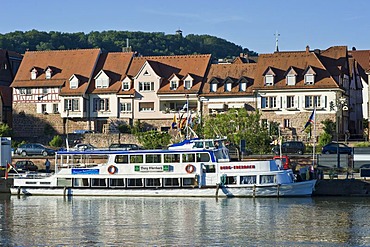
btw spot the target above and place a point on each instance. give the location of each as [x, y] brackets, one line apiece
[25, 166]
[123, 146]
[34, 149]
[332, 147]
[83, 147]
[290, 147]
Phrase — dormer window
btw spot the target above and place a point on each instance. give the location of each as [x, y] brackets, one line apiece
[269, 80]
[242, 87]
[174, 84]
[309, 79]
[73, 82]
[102, 80]
[269, 77]
[228, 87]
[188, 81]
[214, 87]
[125, 86]
[34, 74]
[309, 76]
[187, 84]
[291, 77]
[48, 73]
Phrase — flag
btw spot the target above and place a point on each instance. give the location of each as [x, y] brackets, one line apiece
[185, 107]
[311, 120]
[174, 122]
[7, 170]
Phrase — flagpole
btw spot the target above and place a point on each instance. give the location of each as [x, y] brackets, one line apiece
[187, 116]
[314, 137]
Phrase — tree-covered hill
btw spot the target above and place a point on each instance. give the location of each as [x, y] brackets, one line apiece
[156, 43]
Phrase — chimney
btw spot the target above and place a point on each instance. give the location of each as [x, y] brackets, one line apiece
[307, 49]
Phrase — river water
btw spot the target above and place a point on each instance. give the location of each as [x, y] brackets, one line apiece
[120, 221]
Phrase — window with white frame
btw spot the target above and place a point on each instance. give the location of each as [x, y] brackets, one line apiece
[213, 87]
[174, 84]
[34, 74]
[102, 82]
[146, 86]
[71, 104]
[187, 84]
[73, 82]
[309, 79]
[290, 102]
[269, 102]
[48, 73]
[125, 86]
[269, 80]
[312, 100]
[287, 123]
[291, 79]
[146, 106]
[55, 108]
[25, 91]
[101, 105]
[45, 90]
[125, 107]
[227, 87]
[242, 86]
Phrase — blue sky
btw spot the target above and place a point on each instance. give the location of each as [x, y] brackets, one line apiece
[250, 24]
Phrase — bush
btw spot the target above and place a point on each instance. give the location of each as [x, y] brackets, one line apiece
[57, 141]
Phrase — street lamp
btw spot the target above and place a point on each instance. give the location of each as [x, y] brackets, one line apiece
[341, 106]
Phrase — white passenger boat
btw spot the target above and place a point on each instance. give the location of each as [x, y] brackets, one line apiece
[200, 170]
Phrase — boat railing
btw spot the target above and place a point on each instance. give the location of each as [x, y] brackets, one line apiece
[76, 165]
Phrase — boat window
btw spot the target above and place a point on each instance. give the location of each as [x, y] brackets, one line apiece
[152, 182]
[267, 179]
[153, 158]
[248, 179]
[136, 158]
[209, 144]
[134, 182]
[209, 168]
[230, 180]
[203, 157]
[117, 182]
[98, 182]
[198, 144]
[188, 158]
[121, 159]
[171, 158]
[81, 182]
[171, 182]
[187, 182]
[64, 182]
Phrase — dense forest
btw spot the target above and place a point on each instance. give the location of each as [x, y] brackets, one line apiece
[145, 43]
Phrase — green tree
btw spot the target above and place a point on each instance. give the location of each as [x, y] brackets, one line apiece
[153, 139]
[237, 125]
[57, 141]
[5, 130]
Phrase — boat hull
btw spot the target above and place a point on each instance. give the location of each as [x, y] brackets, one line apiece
[285, 190]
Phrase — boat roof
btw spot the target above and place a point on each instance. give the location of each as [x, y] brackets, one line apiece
[141, 151]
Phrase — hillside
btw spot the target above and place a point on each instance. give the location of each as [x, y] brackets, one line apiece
[155, 43]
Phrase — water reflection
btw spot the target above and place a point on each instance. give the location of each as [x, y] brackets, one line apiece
[29, 221]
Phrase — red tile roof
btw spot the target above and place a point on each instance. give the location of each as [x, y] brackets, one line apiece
[165, 66]
[233, 72]
[65, 63]
[281, 62]
[115, 65]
